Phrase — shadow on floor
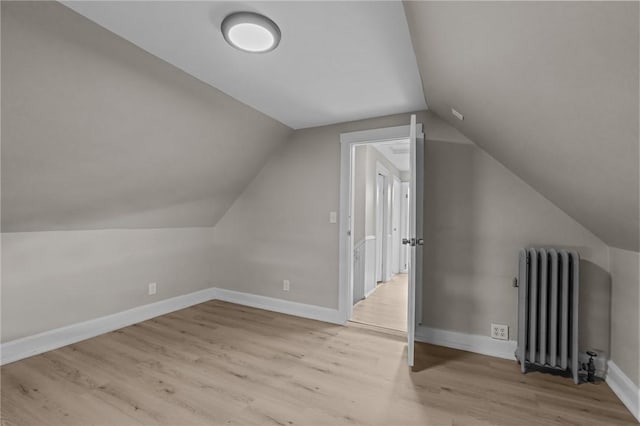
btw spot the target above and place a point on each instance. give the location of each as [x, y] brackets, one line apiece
[427, 356]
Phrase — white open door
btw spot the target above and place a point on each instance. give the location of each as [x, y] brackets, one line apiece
[415, 240]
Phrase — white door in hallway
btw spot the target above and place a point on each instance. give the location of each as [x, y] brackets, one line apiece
[415, 240]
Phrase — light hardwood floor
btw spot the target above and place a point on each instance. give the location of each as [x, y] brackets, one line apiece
[219, 363]
[386, 306]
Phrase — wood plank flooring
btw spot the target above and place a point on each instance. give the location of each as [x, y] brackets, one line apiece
[386, 307]
[219, 363]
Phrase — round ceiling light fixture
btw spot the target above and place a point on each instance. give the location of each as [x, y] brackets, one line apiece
[250, 32]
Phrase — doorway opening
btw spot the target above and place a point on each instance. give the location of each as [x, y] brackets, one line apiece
[358, 243]
[380, 196]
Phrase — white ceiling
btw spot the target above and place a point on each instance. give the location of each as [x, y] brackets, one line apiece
[397, 152]
[337, 61]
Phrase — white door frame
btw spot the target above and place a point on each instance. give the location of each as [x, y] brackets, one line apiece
[382, 206]
[404, 226]
[395, 224]
[347, 143]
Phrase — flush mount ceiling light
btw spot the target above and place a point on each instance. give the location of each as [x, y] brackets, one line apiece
[250, 32]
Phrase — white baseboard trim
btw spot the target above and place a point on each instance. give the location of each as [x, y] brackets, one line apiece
[280, 305]
[467, 342]
[370, 292]
[624, 388]
[25, 347]
[620, 384]
[486, 345]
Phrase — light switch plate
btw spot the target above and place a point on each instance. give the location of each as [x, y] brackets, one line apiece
[333, 217]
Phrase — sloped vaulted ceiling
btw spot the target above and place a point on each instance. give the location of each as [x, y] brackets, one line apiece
[550, 89]
[97, 133]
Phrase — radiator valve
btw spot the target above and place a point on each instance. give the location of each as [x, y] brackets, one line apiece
[590, 367]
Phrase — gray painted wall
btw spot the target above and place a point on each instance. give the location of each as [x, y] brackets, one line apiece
[477, 216]
[57, 278]
[549, 89]
[625, 319]
[97, 133]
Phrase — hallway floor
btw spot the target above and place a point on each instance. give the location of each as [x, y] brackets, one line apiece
[386, 307]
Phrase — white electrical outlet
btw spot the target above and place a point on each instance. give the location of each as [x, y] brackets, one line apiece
[500, 331]
[153, 287]
[285, 285]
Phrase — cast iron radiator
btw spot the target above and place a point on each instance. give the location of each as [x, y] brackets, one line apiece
[548, 291]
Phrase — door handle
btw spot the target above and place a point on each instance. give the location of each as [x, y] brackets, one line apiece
[413, 242]
[409, 242]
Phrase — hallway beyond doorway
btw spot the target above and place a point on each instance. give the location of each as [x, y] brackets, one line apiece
[387, 305]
